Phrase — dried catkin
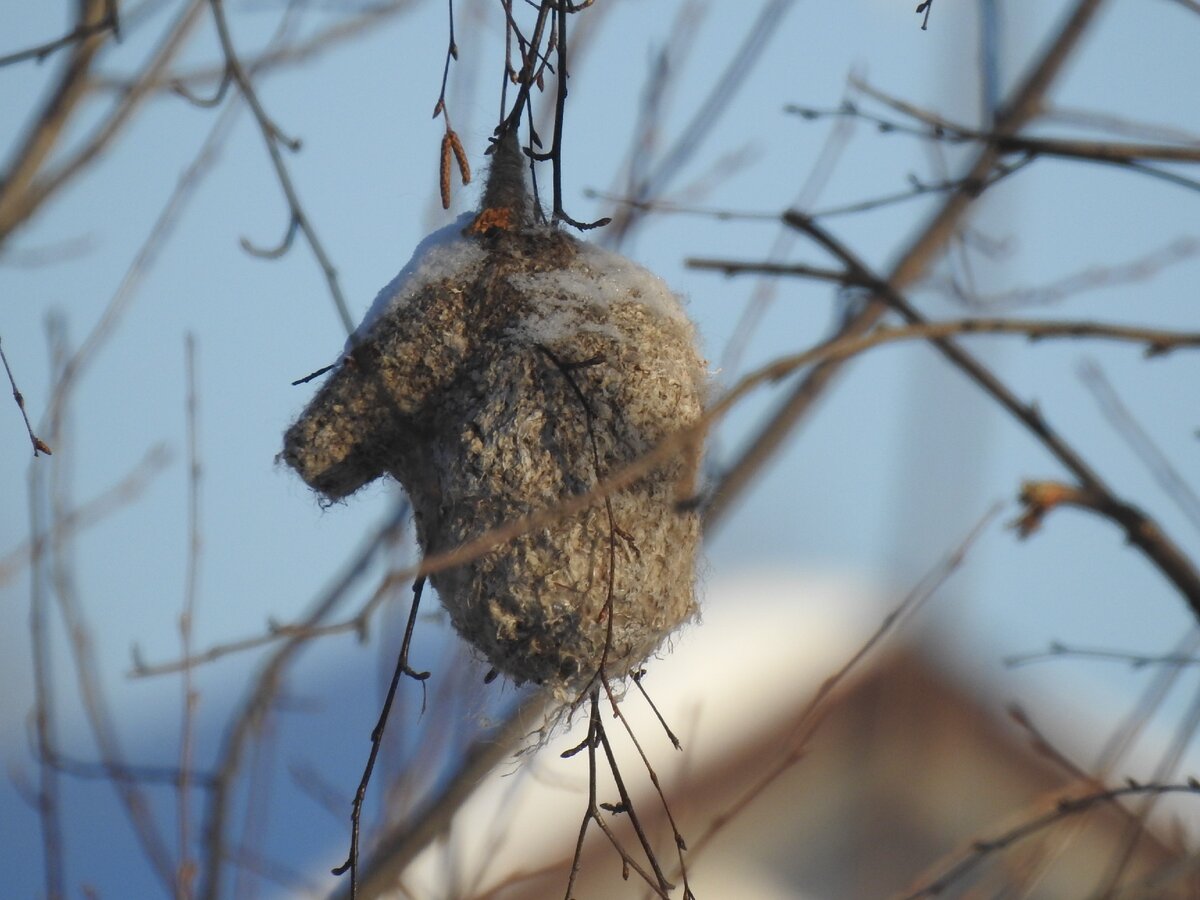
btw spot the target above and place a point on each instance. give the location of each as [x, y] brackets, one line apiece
[507, 367]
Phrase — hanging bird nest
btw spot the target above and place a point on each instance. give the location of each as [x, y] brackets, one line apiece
[508, 367]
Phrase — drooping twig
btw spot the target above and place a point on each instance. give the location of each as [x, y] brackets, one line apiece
[39, 446]
[600, 681]
[596, 737]
[402, 668]
[45, 718]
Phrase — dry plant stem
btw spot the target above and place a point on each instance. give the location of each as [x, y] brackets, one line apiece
[596, 737]
[273, 137]
[187, 866]
[926, 245]
[24, 188]
[402, 668]
[83, 30]
[1140, 530]
[261, 693]
[39, 446]
[814, 712]
[1066, 807]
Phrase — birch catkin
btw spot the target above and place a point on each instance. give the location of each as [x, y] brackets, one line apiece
[507, 367]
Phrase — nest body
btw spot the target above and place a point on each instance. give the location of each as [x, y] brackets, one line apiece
[497, 375]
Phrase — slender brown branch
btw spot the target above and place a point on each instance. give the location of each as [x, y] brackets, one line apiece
[89, 687]
[269, 61]
[360, 795]
[1156, 342]
[50, 122]
[273, 139]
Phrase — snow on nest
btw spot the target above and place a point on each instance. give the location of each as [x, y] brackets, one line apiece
[442, 255]
[596, 281]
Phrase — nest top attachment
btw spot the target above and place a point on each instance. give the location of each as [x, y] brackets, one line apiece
[508, 367]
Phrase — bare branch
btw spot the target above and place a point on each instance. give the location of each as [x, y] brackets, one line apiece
[81, 32]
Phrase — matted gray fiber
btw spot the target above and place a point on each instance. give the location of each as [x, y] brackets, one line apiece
[507, 367]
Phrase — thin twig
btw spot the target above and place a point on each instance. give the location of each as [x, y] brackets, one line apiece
[360, 795]
[89, 686]
[1065, 808]
[273, 138]
[82, 31]
[39, 446]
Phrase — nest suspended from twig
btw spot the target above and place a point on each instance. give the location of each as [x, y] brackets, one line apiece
[507, 367]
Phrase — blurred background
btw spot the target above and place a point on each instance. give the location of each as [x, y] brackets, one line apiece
[128, 289]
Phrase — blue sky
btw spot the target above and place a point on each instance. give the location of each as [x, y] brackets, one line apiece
[900, 459]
